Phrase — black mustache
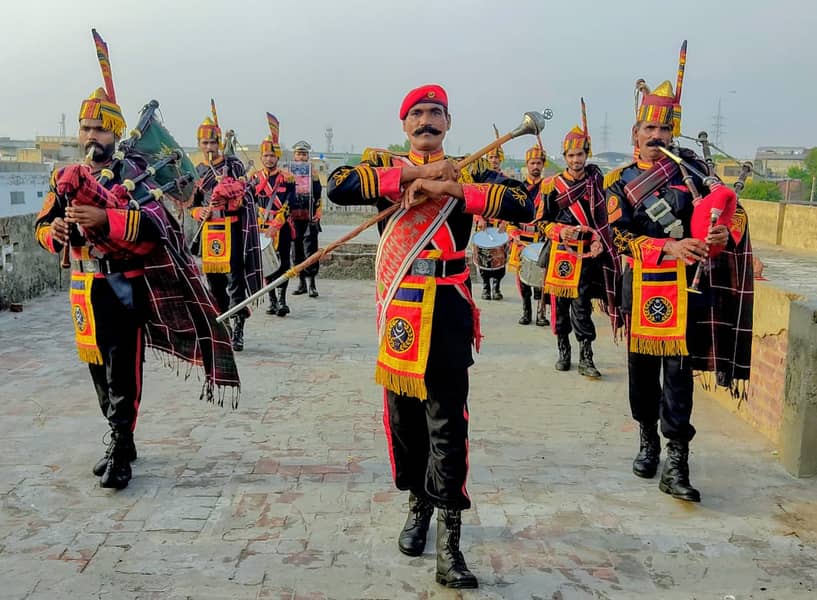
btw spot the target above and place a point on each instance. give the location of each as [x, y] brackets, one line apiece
[427, 129]
[653, 143]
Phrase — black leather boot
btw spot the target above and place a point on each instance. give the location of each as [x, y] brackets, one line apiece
[496, 293]
[313, 290]
[412, 540]
[452, 571]
[117, 472]
[563, 362]
[301, 289]
[525, 318]
[586, 366]
[272, 309]
[645, 463]
[238, 334]
[486, 289]
[541, 315]
[675, 476]
[283, 309]
[102, 463]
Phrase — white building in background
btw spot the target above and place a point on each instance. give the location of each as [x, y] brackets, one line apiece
[23, 187]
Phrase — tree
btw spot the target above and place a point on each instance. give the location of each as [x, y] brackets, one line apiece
[811, 162]
[802, 175]
[404, 147]
[762, 190]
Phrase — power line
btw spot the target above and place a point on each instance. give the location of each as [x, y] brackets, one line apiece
[718, 124]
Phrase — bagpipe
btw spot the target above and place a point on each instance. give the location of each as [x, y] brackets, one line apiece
[169, 169]
[716, 208]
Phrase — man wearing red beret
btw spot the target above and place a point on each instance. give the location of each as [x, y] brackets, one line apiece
[427, 320]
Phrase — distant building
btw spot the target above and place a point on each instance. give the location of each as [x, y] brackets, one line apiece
[728, 170]
[608, 161]
[775, 161]
[22, 187]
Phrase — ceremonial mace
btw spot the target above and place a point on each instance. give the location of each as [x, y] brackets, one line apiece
[532, 123]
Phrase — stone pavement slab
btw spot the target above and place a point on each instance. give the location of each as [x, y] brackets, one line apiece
[291, 497]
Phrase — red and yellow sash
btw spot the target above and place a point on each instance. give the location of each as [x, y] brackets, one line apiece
[216, 245]
[659, 319]
[82, 314]
[564, 270]
[405, 342]
[405, 303]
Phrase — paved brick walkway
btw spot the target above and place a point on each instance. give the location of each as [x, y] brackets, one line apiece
[291, 496]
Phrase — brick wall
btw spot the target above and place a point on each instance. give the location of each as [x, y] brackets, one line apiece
[763, 408]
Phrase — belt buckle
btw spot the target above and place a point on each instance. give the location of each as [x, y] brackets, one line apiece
[87, 265]
[659, 209]
[424, 267]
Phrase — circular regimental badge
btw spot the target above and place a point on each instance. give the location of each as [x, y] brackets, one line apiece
[657, 310]
[400, 335]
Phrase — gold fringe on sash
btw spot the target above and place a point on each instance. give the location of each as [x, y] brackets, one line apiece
[400, 384]
[561, 292]
[658, 347]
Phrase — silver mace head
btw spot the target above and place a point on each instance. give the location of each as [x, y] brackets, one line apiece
[532, 123]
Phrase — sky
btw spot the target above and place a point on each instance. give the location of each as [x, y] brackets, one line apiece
[347, 64]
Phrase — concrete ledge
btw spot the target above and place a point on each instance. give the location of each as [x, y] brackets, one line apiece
[798, 429]
[782, 393]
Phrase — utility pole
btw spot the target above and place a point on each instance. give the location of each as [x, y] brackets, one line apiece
[718, 124]
[329, 134]
[605, 135]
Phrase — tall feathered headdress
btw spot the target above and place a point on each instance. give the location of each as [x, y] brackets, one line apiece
[101, 104]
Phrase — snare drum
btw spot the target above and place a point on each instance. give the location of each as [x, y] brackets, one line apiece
[490, 249]
[530, 272]
[270, 261]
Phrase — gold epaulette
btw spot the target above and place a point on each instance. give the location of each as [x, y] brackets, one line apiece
[547, 185]
[613, 176]
[288, 176]
[379, 157]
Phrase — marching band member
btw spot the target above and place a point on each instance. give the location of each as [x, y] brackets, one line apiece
[573, 216]
[522, 234]
[224, 204]
[427, 320]
[306, 216]
[652, 210]
[127, 258]
[275, 191]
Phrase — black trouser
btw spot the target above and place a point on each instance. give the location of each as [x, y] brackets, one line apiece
[305, 244]
[575, 314]
[120, 338]
[284, 250]
[488, 274]
[428, 439]
[670, 399]
[230, 288]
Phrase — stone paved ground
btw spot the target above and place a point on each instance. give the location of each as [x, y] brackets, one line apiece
[290, 496]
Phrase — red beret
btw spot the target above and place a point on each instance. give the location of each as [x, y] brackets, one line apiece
[427, 93]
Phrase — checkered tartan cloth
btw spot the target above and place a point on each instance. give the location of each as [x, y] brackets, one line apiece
[721, 341]
[650, 181]
[181, 313]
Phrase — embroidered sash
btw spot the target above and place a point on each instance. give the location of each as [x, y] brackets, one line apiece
[405, 303]
[564, 270]
[659, 319]
[216, 246]
[82, 314]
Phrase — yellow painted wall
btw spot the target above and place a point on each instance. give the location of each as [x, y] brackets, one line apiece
[799, 223]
